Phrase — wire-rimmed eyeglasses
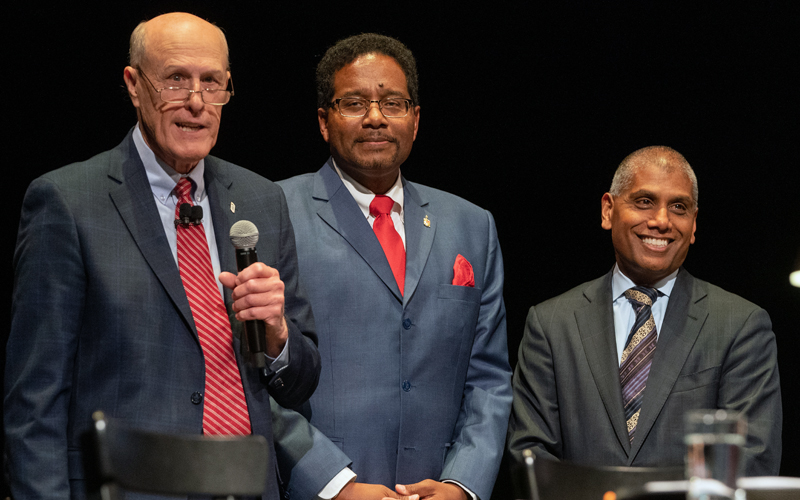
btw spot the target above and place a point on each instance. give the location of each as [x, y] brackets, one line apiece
[356, 107]
[215, 97]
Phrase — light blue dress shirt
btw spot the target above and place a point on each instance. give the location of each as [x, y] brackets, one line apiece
[625, 315]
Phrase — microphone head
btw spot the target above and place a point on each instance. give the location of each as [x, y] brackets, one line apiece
[185, 210]
[244, 234]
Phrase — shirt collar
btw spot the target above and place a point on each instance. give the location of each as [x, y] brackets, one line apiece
[162, 177]
[620, 283]
[364, 196]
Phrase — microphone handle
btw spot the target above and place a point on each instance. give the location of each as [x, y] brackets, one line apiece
[255, 330]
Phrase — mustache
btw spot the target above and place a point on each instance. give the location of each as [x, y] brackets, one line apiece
[376, 138]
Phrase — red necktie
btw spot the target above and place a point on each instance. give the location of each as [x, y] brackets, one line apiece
[381, 209]
[225, 407]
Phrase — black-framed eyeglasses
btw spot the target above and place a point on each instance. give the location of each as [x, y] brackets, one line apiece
[356, 107]
[172, 95]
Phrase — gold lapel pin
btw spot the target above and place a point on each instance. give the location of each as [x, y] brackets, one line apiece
[426, 221]
[233, 208]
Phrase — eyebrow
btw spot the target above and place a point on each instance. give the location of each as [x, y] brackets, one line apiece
[169, 70]
[363, 91]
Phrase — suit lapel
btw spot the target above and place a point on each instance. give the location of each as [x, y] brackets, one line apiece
[596, 328]
[684, 318]
[219, 197]
[419, 237]
[342, 214]
[132, 196]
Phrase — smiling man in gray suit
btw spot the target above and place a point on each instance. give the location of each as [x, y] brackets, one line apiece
[415, 387]
[115, 309]
[605, 374]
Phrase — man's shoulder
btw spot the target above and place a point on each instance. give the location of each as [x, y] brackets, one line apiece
[299, 184]
[443, 199]
[718, 297]
[89, 171]
[579, 296]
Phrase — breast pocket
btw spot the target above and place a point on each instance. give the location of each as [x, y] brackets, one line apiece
[697, 380]
[458, 308]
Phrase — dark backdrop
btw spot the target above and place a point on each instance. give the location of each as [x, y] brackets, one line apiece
[556, 97]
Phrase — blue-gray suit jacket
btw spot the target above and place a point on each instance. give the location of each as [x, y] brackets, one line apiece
[413, 386]
[101, 321]
[715, 350]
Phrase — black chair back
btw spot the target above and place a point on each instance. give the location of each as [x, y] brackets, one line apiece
[148, 462]
[554, 480]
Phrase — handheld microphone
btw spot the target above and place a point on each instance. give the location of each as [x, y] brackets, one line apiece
[244, 236]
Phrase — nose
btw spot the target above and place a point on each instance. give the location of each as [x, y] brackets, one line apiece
[374, 117]
[195, 101]
[660, 220]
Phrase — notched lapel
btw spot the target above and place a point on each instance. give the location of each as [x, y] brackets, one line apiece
[596, 327]
[419, 237]
[342, 214]
[132, 197]
[683, 320]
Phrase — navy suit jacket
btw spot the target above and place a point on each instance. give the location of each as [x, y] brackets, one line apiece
[101, 321]
[715, 350]
[413, 386]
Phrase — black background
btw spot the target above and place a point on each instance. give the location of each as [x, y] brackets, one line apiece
[556, 95]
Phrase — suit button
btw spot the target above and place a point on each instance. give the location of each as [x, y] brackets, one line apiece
[407, 324]
[406, 385]
[197, 398]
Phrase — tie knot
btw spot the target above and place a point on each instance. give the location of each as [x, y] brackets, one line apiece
[184, 191]
[642, 295]
[381, 205]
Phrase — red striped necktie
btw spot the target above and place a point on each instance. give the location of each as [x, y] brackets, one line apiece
[638, 354]
[225, 407]
[381, 209]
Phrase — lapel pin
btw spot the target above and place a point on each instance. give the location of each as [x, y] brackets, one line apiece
[233, 208]
[426, 221]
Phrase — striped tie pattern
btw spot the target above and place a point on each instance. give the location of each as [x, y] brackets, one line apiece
[392, 244]
[638, 354]
[224, 407]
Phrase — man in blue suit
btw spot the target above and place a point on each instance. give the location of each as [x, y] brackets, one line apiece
[101, 317]
[415, 385]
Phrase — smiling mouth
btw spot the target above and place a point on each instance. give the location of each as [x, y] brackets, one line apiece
[655, 242]
[188, 127]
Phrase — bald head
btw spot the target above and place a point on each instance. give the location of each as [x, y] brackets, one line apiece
[174, 25]
[662, 157]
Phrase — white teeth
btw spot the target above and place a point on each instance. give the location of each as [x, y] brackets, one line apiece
[655, 242]
[188, 129]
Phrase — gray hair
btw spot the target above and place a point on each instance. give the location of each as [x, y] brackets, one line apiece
[138, 45]
[664, 157]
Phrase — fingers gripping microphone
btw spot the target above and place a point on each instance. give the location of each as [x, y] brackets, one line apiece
[244, 236]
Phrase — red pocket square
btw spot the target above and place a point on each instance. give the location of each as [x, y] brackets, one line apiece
[462, 272]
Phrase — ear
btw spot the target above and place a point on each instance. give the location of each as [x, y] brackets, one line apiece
[322, 116]
[131, 77]
[416, 122]
[694, 226]
[606, 210]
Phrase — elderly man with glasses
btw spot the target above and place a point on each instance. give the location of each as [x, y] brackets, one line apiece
[125, 297]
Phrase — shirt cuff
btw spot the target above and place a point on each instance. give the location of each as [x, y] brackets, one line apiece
[470, 494]
[337, 484]
[277, 365]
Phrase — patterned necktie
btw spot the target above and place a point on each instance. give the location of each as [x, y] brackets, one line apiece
[638, 354]
[224, 408]
[381, 209]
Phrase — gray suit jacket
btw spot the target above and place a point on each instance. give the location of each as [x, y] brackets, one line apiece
[100, 318]
[715, 350]
[413, 386]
